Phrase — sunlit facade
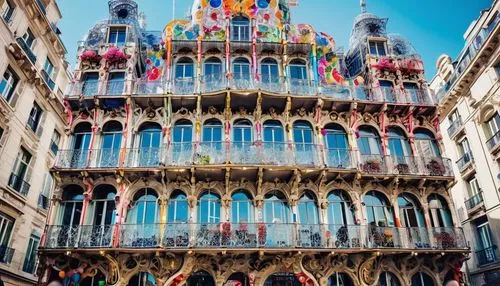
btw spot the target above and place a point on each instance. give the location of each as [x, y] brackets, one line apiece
[237, 148]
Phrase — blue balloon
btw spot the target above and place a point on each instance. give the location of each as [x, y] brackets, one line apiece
[215, 3]
[76, 277]
[262, 4]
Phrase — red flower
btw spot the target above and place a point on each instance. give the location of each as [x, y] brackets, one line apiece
[267, 17]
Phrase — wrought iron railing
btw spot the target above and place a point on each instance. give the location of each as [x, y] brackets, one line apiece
[493, 142]
[405, 165]
[150, 87]
[486, 256]
[243, 82]
[6, 254]
[253, 235]
[454, 126]
[150, 157]
[276, 85]
[48, 80]
[436, 166]
[301, 87]
[373, 164]
[463, 162]
[474, 201]
[337, 92]
[19, 184]
[184, 86]
[340, 158]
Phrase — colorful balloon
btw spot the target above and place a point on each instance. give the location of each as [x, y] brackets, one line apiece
[62, 274]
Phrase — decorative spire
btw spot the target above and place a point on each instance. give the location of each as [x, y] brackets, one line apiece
[363, 6]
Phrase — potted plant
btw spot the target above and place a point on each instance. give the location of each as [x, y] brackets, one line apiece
[90, 59]
[262, 233]
[403, 168]
[203, 159]
[116, 57]
[436, 167]
[372, 166]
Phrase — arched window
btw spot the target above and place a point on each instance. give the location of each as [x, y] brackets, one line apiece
[340, 211]
[282, 278]
[369, 141]
[200, 278]
[426, 144]
[276, 208]
[335, 140]
[421, 279]
[242, 131]
[209, 208]
[111, 144]
[308, 209]
[399, 145]
[439, 211]
[410, 212]
[183, 132]
[178, 208]
[184, 68]
[241, 69]
[212, 131]
[274, 142]
[150, 138]
[242, 210]
[298, 70]
[388, 279]
[212, 141]
[181, 145]
[213, 68]
[69, 217]
[340, 279]
[103, 212]
[378, 210]
[240, 28]
[303, 138]
[81, 144]
[269, 70]
[273, 132]
[145, 208]
[142, 279]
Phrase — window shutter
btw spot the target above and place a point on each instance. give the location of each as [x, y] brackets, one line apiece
[17, 93]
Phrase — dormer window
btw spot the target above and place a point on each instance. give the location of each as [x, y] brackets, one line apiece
[240, 29]
[377, 48]
[117, 36]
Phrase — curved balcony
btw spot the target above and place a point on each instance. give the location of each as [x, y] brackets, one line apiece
[254, 235]
[373, 164]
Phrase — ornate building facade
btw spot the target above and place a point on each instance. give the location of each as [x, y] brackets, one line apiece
[237, 148]
[33, 72]
[469, 98]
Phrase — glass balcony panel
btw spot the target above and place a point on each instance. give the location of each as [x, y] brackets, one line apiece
[180, 154]
[214, 82]
[177, 235]
[301, 87]
[95, 236]
[360, 93]
[243, 82]
[274, 153]
[143, 157]
[184, 86]
[150, 87]
[448, 238]
[140, 235]
[311, 236]
[307, 154]
[244, 153]
[62, 236]
[115, 87]
[339, 158]
[276, 85]
[210, 153]
[336, 92]
[405, 165]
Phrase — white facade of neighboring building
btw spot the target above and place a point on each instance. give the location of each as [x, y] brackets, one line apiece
[32, 74]
[468, 91]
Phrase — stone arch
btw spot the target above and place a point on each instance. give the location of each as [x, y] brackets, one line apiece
[132, 189]
[216, 187]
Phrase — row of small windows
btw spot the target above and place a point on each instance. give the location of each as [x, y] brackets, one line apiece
[145, 208]
[335, 137]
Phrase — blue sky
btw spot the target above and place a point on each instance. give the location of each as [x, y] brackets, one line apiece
[432, 26]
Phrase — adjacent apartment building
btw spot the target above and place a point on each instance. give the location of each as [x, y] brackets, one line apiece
[32, 74]
[236, 147]
[468, 91]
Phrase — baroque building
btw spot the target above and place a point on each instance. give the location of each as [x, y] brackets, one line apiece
[468, 92]
[237, 148]
[33, 72]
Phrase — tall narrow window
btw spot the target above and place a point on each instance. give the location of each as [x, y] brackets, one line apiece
[29, 39]
[178, 208]
[426, 143]
[7, 10]
[103, 214]
[8, 84]
[117, 36]
[410, 212]
[486, 248]
[474, 193]
[241, 69]
[19, 173]
[340, 210]
[69, 217]
[212, 137]
[6, 225]
[378, 210]
[54, 142]
[181, 146]
[400, 149]
[242, 131]
[35, 116]
[29, 265]
[440, 214]
[242, 210]
[335, 141]
[49, 73]
[48, 183]
[209, 208]
[116, 83]
[377, 48]
[421, 279]
[308, 210]
[276, 208]
[274, 140]
[369, 141]
[213, 68]
[298, 70]
[145, 208]
[240, 29]
[111, 143]
[81, 143]
[493, 126]
[269, 70]
[303, 139]
[150, 140]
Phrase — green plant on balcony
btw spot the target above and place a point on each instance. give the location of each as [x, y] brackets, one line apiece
[203, 159]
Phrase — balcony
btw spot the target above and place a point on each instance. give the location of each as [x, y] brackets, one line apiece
[419, 96]
[27, 50]
[405, 165]
[184, 86]
[474, 201]
[214, 82]
[494, 142]
[243, 82]
[340, 158]
[301, 87]
[19, 184]
[436, 166]
[465, 161]
[80, 159]
[6, 254]
[373, 164]
[336, 92]
[486, 256]
[147, 87]
[455, 126]
[254, 235]
[276, 85]
[46, 77]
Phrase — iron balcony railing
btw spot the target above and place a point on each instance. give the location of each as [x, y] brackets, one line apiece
[301, 87]
[337, 92]
[493, 142]
[463, 162]
[99, 88]
[474, 201]
[27, 50]
[454, 126]
[150, 87]
[184, 86]
[6, 254]
[19, 184]
[251, 153]
[486, 256]
[252, 235]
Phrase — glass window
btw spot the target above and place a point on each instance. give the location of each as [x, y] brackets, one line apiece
[399, 145]
[308, 209]
[111, 144]
[484, 236]
[276, 208]
[388, 279]
[493, 126]
[103, 205]
[7, 10]
[439, 212]
[340, 279]
[421, 279]
[410, 212]
[269, 70]
[241, 69]
[298, 69]
[200, 278]
[378, 210]
[209, 208]
[20, 170]
[184, 68]
[71, 205]
[31, 254]
[8, 84]
[340, 210]
[142, 279]
[145, 208]
[48, 67]
[464, 147]
[178, 208]
[282, 279]
[150, 140]
[90, 83]
[6, 225]
[48, 183]
[454, 117]
[242, 131]
[240, 29]
[81, 142]
[213, 68]
[117, 36]
[473, 187]
[29, 38]
[377, 48]
[335, 141]
[369, 141]
[116, 83]
[34, 118]
[273, 131]
[426, 144]
[212, 131]
[183, 132]
[302, 133]
[242, 210]
[54, 142]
